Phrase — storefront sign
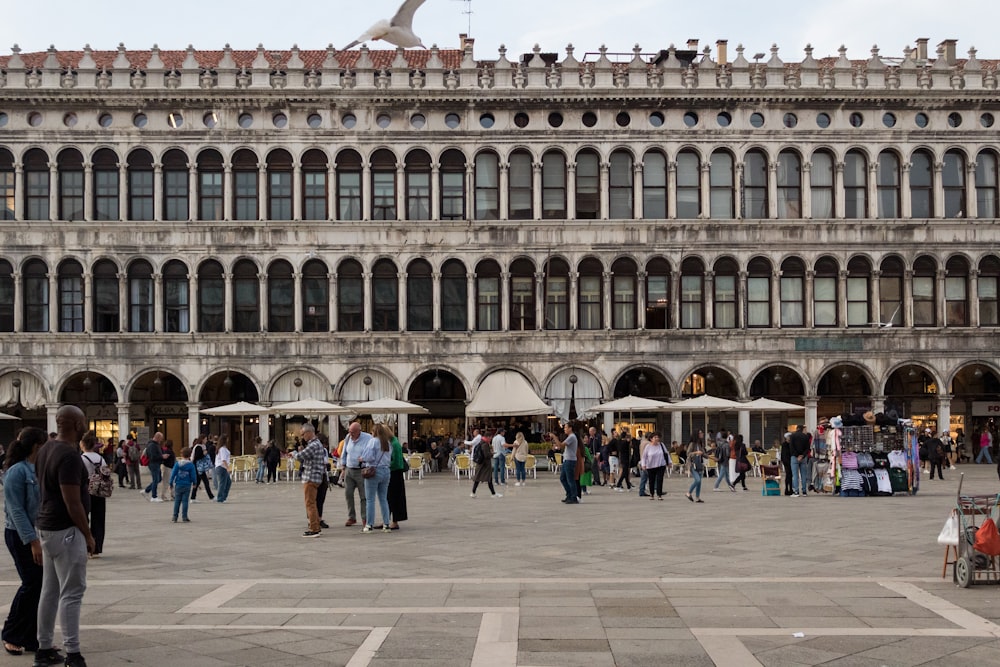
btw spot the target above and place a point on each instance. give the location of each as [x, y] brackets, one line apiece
[986, 408]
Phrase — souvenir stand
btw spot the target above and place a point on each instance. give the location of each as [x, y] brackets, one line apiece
[873, 460]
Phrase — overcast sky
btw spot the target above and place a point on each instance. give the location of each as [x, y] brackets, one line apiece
[587, 24]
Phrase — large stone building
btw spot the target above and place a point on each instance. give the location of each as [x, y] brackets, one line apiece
[183, 229]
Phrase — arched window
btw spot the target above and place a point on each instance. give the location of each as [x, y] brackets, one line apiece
[821, 185]
[688, 185]
[855, 185]
[989, 291]
[315, 297]
[7, 185]
[658, 294]
[721, 186]
[107, 311]
[692, 294]
[825, 295]
[789, 185]
[176, 186]
[556, 294]
[986, 185]
[953, 180]
[35, 285]
[245, 175]
[622, 200]
[755, 185]
[385, 296]
[624, 277]
[956, 292]
[280, 297]
[588, 185]
[246, 297]
[211, 190]
[452, 185]
[348, 185]
[487, 296]
[383, 185]
[520, 186]
[654, 186]
[71, 193]
[211, 298]
[419, 296]
[921, 185]
[924, 292]
[140, 185]
[106, 187]
[279, 185]
[890, 289]
[792, 292]
[887, 184]
[487, 186]
[759, 293]
[418, 185]
[522, 295]
[554, 186]
[454, 296]
[36, 185]
[590, 294]
[6, 296]
[350, 297]
[858, 289]
[176, 304]
[314, 186]
[141, 300]
[725, 297]
[70, 284]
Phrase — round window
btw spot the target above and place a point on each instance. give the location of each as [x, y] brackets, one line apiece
[34, 119]
[245, 120]
[349, 120]
[757, 119]
[70, 119]
[656, 119]
[555, 119]
[452, 120]
[954, 119]
[889, 119]
[823, 120]
[211, 119]
[175, 119]
[521, 119]
[314, 120]
[724, 119]
[383, 120]
[589, 119]
[921, 119]
[856, 119]
[3, 118]
[690, 119]
[487, 120]
[623, 119]
[986, 120]
[140, 120]
[790, 120]
[280, 120]
[104, 120]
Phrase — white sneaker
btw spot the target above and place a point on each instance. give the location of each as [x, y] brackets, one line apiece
[156, 500]
[472, 495]
[195, 500]
[619, 489]
[951, 468]
[517, 484]
[498, 495]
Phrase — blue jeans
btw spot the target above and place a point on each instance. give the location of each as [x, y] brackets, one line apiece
[800, 474]
[567, 475]
[182, 494]
[984, 451]
[223, 481]
[154, 472]
[260, 470]
[499, 469]
[695, 487]
[520, 474]
[643, 480]
[721, 473]
[377, 490]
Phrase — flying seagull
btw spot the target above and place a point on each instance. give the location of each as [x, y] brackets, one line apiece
[888, 325]
[398, 30]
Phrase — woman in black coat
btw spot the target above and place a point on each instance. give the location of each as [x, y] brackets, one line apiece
[272, 457]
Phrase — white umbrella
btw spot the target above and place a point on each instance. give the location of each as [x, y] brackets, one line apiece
[381, 405]
[6, 416]
[308, 406]
[631, 404]
[705, 402]
[241, 410]
[770, 405]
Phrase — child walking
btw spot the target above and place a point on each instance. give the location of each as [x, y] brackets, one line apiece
[182, 479]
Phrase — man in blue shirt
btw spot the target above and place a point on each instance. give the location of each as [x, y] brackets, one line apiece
[350, 462]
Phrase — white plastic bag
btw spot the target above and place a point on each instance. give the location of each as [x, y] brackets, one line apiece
[949, 534]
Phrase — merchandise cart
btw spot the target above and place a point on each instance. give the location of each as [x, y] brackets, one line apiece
[972, 566]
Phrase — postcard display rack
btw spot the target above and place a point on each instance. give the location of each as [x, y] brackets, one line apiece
[874, 461]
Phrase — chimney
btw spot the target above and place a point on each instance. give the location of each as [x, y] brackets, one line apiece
[720, 51]
[949, 50]
[922, 49]
[464, 39]
[692, 45]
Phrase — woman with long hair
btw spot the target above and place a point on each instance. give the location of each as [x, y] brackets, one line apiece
[741, 465]
[397, 485]
[20, 508]
[92, 461]
[202, 464]
[377, 454]
[520, 454]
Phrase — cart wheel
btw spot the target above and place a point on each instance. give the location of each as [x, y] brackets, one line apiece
[964, 572]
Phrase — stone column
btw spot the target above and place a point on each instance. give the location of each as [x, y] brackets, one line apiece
[263, 188]
[470, 296]
[123, 309]
[743, 424]
[401, 213]
[637, 204]
[297, 196]
[640, 301]
[88, 303]
[367, 301]
[772, 190]
[605, 190]
[944, 414]
[939, 298]
[809, 299]
[503, 195]
[124, 420]
[332, 277]
[53, 192]
[88, 191]
[18, 302]
[469, 193]
[878, 403]
[264, 427]
[973, 298]
[19, 189]
[366, 190]
[842, 299]
[971, 202]
[606, 301]
[905, 202]
[875, 306]
[436, 301]
[194, 420]
[158, 191]
[193, 199]
[50, 417]
[331, 192]
[297, 300]
[539, 300]
[574, 306]
[53, 300]
[158, 302]
[872, 187]
[671, 190]
[805, 191]
[263, 302]
[123, 191]
[840, 202]
[401, 302]
[709, 300]
[811, 404]
[908, 299]
[675, 300]
[706, 190]
[937, 190]
[505, 304]
[228, 313]
[776, 300]
[738, 191]
[536, 189]
[571, 190]
[193, 302]
[228, 192]
[741, 301]
[676, 425]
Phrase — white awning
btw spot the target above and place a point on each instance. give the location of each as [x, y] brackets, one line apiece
[506, 394]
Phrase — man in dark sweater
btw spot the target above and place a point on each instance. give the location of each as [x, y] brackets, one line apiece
[799, 447]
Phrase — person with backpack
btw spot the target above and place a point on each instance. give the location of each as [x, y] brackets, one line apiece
[182, 478]
[100, 482]
[936, 456]
[133, 453]
[153, 457]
